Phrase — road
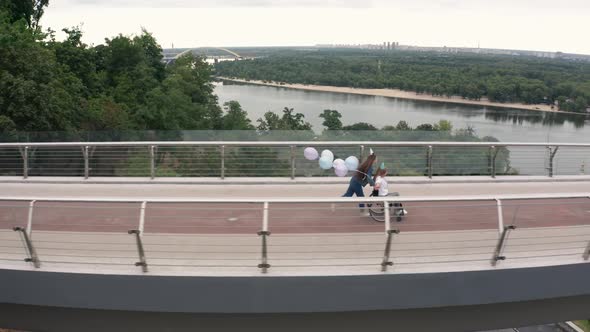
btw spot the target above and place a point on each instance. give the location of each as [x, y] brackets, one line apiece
[214, 218]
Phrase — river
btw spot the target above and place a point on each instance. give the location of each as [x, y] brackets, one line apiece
[504, 124]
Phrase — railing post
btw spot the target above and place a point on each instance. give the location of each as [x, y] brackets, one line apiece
[264, 233]
[492, 158]
[552, 151]
[33, 258]
[500, 216]
[24, 152]
[142, 216]
[429, 166]
[222, 152]
[500, 246]
[152, 161]
[389, 233]
[30, 217]
[361, 152]
[86, 162]
[292, 162]
[387, 216]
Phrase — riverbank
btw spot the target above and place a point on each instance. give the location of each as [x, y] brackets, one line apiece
[394, 93]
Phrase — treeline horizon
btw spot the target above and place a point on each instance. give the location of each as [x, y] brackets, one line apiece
[528, 80]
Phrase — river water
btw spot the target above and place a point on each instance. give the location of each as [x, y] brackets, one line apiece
[508, 125]
[504, 124]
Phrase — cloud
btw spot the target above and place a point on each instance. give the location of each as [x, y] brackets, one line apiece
[446, 5]
[216, 3]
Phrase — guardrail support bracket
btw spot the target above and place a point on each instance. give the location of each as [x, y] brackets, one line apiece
[386, 262]
[501, 244]
[33, 258]
[142, 260]
[264, 261]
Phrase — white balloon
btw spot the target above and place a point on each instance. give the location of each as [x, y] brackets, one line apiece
[338, 162]
[328, 154]
[352, 163]
[341, 170]
[325, 162]
[310, 153]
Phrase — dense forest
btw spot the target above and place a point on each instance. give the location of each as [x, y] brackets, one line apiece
[498, 78]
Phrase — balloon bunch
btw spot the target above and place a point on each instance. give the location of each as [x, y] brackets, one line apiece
[327, 161]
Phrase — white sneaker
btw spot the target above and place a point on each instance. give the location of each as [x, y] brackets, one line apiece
[401, 212]
[365, 213]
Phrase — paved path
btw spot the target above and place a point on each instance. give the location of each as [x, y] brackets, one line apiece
[208, 218]
[279, 190]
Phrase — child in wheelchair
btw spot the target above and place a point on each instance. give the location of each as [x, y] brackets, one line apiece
[381, 189]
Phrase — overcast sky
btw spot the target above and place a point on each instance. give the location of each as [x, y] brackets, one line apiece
[548, 25]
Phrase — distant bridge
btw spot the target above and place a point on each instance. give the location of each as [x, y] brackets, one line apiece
[172, 58]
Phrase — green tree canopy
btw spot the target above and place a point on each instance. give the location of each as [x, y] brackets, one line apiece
[50, 85]
[235, 117]
[498, 78]
[289, 121]
[331, 119]
[30, 11]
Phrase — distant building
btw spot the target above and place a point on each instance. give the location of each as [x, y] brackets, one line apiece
[475, 50]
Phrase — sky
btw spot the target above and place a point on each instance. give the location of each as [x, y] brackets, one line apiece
[545, 25]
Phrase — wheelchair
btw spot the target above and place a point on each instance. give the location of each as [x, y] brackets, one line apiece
[377, 211]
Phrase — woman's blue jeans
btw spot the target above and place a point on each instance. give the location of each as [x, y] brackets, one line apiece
[355, 188]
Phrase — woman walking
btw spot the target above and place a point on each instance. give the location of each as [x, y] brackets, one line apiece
[363, 176]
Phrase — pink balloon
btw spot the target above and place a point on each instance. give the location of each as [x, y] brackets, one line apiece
[341, 170]
[310, 153]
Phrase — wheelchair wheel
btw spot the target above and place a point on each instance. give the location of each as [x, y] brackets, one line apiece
[398, 211]
[376, 212]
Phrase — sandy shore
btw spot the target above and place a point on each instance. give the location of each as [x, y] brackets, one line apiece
[394, 93]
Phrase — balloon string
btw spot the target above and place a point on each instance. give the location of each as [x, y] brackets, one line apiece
[361, 172]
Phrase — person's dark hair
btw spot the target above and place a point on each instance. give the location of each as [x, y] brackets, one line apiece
[364, 167]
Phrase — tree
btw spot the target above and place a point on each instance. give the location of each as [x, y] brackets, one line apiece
[580, 104]
[443, 125]
[235, 117]
[426, 127]
[289, 121]
[78, 59]
[36, 93]
[331, 119]
[153, 52]
[184, 100]
[499, 78]
[30, 11]
[360, 126]
[6, 124]
[402, 125]
[269, 121]
[103, 113]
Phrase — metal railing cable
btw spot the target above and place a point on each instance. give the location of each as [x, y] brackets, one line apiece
[285, 159]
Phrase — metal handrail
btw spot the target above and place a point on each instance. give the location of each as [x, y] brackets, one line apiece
[152, 151]
[303, 199]
[289, 143]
